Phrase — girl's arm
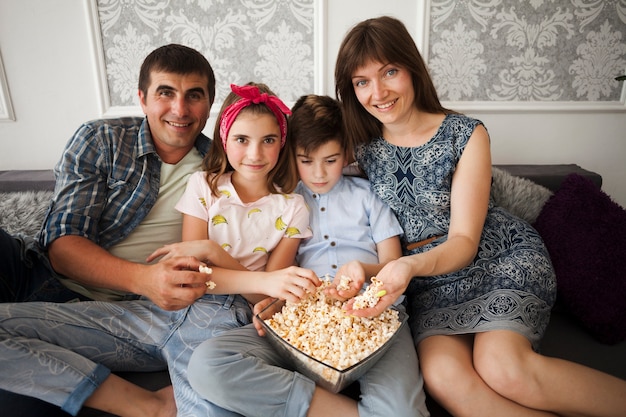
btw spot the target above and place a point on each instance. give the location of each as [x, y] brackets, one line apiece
[196, 243]
[283, 255]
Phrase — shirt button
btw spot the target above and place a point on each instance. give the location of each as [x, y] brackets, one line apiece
[314, 195]
[333, 243]
[333, 266]
[322, 208]
[326, 237]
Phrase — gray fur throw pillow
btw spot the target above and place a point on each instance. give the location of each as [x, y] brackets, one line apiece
[22, 212]
[517, 195]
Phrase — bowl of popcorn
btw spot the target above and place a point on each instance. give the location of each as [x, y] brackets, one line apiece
[321, 341]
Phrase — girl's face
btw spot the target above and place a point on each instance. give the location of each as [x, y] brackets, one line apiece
[253, 145]
[321, 169]
[385, 91]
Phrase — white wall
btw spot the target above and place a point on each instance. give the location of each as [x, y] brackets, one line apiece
[46, 50]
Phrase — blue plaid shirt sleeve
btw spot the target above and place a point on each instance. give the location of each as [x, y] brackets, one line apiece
[106, 182]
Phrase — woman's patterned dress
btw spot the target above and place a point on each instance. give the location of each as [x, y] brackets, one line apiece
[509, 285]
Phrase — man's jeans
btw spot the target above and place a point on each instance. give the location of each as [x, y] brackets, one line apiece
[61, 353]
[26, 273]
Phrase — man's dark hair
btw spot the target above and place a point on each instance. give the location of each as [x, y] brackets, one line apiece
[177, 59]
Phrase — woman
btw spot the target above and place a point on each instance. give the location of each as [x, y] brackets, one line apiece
[479, 280]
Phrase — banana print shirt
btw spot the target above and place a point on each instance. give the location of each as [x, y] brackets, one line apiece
[248, 231]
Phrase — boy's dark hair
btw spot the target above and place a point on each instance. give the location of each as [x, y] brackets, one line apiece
[316, 120]
[177, 59]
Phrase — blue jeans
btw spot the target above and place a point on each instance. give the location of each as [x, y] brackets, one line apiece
[241, 371]
[61, 353]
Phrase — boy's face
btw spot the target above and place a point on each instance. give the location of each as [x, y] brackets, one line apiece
[322, 168]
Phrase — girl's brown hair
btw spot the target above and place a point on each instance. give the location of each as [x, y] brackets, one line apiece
[284, 175]
[385, 40]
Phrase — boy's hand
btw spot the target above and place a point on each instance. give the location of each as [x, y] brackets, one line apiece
[260, 306]
[395, 277]
[347, 282]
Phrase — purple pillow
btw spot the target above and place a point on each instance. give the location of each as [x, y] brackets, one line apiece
[585, 233]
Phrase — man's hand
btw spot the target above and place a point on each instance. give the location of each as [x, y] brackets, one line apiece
[174, 283]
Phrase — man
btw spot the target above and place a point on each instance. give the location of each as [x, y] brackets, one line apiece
[116, 186]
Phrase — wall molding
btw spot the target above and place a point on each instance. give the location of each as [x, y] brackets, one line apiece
[6, 107]
[424, 36]
[107, 109]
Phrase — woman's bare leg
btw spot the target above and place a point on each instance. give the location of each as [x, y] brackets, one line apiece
[123, 398]
[450, 378]
[507, 363]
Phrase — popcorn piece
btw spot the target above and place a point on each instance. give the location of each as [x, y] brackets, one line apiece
[370, 296]
[344, 283]
[318, 327]
[209, 284]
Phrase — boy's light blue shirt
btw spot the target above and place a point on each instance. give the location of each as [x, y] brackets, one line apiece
[347, 223]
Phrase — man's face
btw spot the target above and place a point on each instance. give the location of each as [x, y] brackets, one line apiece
[177, 107]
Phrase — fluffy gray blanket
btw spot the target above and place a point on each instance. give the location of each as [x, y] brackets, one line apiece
[23, 212]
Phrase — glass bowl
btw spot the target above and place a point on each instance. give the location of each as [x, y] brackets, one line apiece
[323, 374]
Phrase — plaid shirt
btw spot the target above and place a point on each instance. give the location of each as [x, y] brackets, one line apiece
[106, 181]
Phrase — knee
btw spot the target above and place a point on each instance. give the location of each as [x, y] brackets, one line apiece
[443, 377]
[207, 367]
[510, 377]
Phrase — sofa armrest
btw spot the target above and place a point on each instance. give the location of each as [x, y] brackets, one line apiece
[550, 176]
[27, 180]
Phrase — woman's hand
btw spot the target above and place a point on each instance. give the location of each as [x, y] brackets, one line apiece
[395, 277]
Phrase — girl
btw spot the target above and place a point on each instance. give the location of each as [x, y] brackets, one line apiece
[237, 212]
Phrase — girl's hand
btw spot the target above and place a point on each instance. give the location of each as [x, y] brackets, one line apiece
[395, 277]
[199, 249]
[291, 284]
[354, 270]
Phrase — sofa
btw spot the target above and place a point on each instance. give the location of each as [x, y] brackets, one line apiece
[586, 325]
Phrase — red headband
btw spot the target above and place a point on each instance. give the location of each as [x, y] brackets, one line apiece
[252, 95]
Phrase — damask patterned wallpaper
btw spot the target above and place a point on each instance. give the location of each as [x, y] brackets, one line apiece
[527, 50]
[479, 51]
[270, 41]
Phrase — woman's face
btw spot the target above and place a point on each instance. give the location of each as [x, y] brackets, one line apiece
[385, 91]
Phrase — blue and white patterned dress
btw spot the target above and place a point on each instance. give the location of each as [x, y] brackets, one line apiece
[509, 285]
